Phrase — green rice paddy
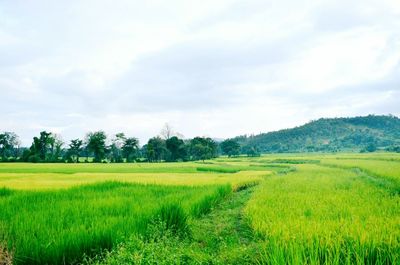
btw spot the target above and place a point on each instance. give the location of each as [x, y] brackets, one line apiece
[305, 209]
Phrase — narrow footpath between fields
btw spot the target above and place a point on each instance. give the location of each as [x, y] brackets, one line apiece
[220, 237]
[224, 233]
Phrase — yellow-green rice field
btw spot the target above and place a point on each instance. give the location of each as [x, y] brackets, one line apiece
[305, 208]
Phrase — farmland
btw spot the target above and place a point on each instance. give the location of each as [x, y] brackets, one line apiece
[273, 209]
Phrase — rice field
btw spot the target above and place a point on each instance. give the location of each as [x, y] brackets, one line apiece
[56, 227]
[26, 176]
[383, 171]
[306, 208]
[320, 215]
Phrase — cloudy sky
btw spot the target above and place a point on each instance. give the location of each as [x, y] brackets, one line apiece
[210, 67]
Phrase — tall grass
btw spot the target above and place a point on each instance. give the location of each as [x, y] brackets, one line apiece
[218, 169]
[387, 169]
[205, 205]
[320, 215]
[5, 192]
[58, 227]
[173, 218]
[45, 180]
[176, 167]
[62, 168]
[317, 209]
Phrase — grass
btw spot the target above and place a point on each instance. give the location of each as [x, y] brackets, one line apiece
[387, 169]
[177, 167]
[23, 176]
[57, 227]
[205, 205]
[229, 240]
[322, 215]
[218, 169]
[273, 209]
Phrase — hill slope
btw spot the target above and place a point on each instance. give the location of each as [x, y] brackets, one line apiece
[335, 134]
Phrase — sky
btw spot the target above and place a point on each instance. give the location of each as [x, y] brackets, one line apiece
[207, 68]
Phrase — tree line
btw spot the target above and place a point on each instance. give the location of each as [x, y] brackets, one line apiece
[97, 147]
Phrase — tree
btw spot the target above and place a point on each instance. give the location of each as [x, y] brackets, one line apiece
[96, 143]
[75, 148]
[230, 147]
[25, 155]
[43, 143]
[35, 151]
[394, 148]
[42, 147]
[202, 148]
[116, 148]
[371, 148]
[251, 151]
[176, 148]
[156, 149]
[130, 149]
[166, 131]
[9, 143]
[56, 147]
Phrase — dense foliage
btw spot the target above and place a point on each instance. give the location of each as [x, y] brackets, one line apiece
[96, 147]
[365, 134]
[230, 147]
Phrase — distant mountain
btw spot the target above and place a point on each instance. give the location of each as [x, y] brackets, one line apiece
[326, 135]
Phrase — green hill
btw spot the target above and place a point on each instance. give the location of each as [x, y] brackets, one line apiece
[326, 135]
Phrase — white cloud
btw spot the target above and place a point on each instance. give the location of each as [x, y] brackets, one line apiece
[218, 68]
